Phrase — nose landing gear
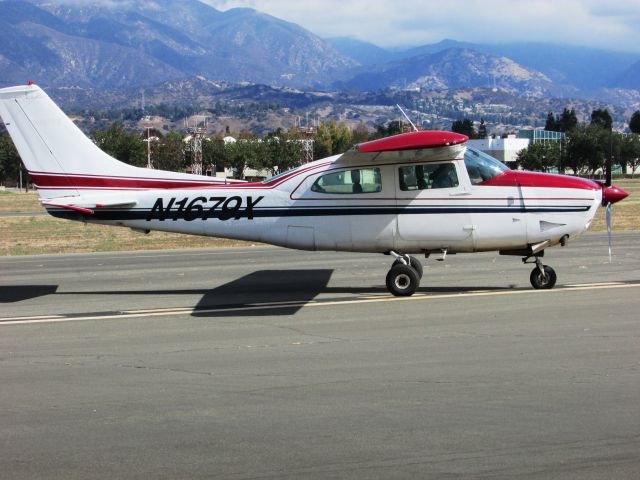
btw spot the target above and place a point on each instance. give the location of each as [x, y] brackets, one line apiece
[542, 277]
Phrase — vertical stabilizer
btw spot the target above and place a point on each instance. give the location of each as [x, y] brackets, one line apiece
[62, 161]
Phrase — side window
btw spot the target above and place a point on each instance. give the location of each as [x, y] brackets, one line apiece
[361, 180]
[428, 176]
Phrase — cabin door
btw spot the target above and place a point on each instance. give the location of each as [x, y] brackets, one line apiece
[433, 202]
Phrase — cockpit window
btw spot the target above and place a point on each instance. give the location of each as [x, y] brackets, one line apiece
[482, 167]
[361, 180]
[428, 176]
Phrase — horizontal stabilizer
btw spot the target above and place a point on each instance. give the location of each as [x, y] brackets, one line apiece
[68, 207]
[87, 205]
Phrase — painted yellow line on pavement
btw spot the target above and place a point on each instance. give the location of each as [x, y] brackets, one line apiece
[597, 284]
[35, 317]
[483, 293]
[159, 310]
[314, 303]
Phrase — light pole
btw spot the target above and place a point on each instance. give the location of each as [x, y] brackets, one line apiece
[149, 164]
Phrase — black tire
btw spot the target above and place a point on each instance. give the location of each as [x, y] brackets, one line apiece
[415, 263]
[543, 283]
[402, 280]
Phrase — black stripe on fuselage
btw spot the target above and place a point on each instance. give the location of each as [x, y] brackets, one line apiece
[270, 212]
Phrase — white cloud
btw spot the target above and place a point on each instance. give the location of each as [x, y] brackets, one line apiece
[413, 22]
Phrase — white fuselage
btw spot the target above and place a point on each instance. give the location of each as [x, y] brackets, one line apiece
[289, 213]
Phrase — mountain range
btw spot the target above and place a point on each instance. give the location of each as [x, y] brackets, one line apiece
[143, 42]
[581, 68]
[107, 45]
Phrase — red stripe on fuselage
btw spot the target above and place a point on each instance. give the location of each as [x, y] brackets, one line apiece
[60, 181]
[47, 181]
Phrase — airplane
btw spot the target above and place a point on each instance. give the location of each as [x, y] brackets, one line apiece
[422, 192]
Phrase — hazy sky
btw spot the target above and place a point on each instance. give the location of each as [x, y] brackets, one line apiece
[610, 24]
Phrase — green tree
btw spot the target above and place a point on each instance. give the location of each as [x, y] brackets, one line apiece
[360, 134]
[567, 121]
[551, 125]
[215, 153]
[602, 119]
[586, 151]
[341, 137]
[630, 152]
[280, 153]
[393, 128]
[167, 153]
[10, 163]
[331, 138]
[322, 145]
[482, 129]
[126, 147]
[540, 156]
[634, 122]
[242, 154]
[465, 127]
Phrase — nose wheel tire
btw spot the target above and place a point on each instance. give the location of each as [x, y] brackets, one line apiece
[402, 280]
[543, 282]
[415, 263]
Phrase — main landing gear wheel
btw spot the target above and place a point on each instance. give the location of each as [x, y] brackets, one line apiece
[414, 262]
[402, 280]
[543, 281]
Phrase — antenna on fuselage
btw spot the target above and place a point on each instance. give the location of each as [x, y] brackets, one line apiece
[415, 129]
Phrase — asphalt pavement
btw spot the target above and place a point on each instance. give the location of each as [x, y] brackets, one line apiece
[269, 363]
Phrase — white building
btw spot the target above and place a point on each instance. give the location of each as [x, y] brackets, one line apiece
[504, 149]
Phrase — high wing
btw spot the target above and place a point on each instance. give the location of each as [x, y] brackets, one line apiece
[428, 145]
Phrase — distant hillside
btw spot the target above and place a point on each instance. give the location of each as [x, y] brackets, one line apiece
[580, 68]
[629, 79]
[453, 68]
[363, 52]
[145, 42]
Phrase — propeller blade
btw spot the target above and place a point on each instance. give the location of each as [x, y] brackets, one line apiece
[609, 160]
[608, 215]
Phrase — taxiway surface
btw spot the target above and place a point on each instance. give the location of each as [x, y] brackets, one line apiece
[270, 363]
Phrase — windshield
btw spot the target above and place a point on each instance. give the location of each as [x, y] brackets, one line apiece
[482, 167]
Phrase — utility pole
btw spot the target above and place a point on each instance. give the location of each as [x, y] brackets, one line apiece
[149, 164]
[198, 132]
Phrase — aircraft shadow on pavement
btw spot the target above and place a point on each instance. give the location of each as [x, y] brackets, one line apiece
[18, 293]
[260, 293]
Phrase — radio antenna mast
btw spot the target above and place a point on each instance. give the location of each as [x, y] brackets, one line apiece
[415, 129]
